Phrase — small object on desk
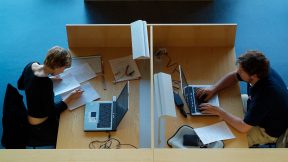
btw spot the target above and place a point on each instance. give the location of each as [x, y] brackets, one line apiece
[179, 103]
[127, 73]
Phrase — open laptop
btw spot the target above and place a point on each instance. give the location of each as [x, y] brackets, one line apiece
[189, 93]
[106, 115]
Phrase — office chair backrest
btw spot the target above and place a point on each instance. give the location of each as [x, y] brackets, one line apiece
[14, 120]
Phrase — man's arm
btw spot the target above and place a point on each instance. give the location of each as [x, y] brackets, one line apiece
[234, 121]
[225, 82]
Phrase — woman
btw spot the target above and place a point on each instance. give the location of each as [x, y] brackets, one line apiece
[43, 113]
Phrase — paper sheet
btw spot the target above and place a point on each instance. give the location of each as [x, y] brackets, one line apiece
[81, 72]
[122, 66]
[95, 62]
[67, 83]
[215, 132]
[88, 95]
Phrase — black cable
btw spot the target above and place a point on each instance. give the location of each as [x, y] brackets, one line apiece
[163, 52]
[108, 143]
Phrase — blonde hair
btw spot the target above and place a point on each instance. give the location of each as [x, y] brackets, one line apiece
[58, 57]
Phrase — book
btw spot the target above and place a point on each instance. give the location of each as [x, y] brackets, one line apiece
[67, 83]
[124, 68]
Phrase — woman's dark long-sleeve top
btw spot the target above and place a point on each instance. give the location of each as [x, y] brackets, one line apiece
[39, 94]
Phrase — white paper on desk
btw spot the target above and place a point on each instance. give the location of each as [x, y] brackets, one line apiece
[81, 72]
[95, 62]
[88, 95]
[67, 83]
[119, 70]
[215, 132]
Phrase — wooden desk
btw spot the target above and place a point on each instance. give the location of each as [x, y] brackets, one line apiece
[71, 134]
[204, 66]
[220, 155]
[77, 155]
[146, 155]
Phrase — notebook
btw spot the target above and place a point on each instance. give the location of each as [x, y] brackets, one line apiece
[189, 92]
[106, 115]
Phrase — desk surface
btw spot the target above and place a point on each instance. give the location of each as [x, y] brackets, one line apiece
[71, 134]
[146, 155]
[204, 66]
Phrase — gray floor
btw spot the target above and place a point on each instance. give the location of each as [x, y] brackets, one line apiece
[29, 28]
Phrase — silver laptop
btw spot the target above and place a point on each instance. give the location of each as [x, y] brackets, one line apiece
[106, 115]
[189, 93]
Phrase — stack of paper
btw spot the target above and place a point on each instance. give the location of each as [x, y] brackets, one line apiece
[71, 79]
[139, 36]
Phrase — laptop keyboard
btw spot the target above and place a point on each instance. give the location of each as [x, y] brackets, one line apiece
[189, 91]
[104, 115]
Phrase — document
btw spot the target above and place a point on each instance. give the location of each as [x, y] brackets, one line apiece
[67, 83]
[95, 62]
[215, 132]
[88, 95]
[81, 72]
[124, 68]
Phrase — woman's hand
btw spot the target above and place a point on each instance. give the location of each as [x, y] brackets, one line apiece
[73, 95]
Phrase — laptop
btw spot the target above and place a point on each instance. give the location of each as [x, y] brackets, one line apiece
[106, 115]
[189, 93]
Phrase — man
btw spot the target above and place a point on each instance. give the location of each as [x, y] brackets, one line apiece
[266, 115]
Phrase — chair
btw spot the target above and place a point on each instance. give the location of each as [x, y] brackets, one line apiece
[282, 142]
[176, 141]
[14, 120]
[15, 124]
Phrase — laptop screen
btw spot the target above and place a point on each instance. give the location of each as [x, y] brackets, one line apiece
[183, 80]
[122, 103]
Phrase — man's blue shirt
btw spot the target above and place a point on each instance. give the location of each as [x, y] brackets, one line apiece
[267, 106]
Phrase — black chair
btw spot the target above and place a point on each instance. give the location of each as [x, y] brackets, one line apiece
[16, 134]
[14, 120]
[282, 142]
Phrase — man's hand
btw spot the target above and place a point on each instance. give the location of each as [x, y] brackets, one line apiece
[207, 108]
[205, 94]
